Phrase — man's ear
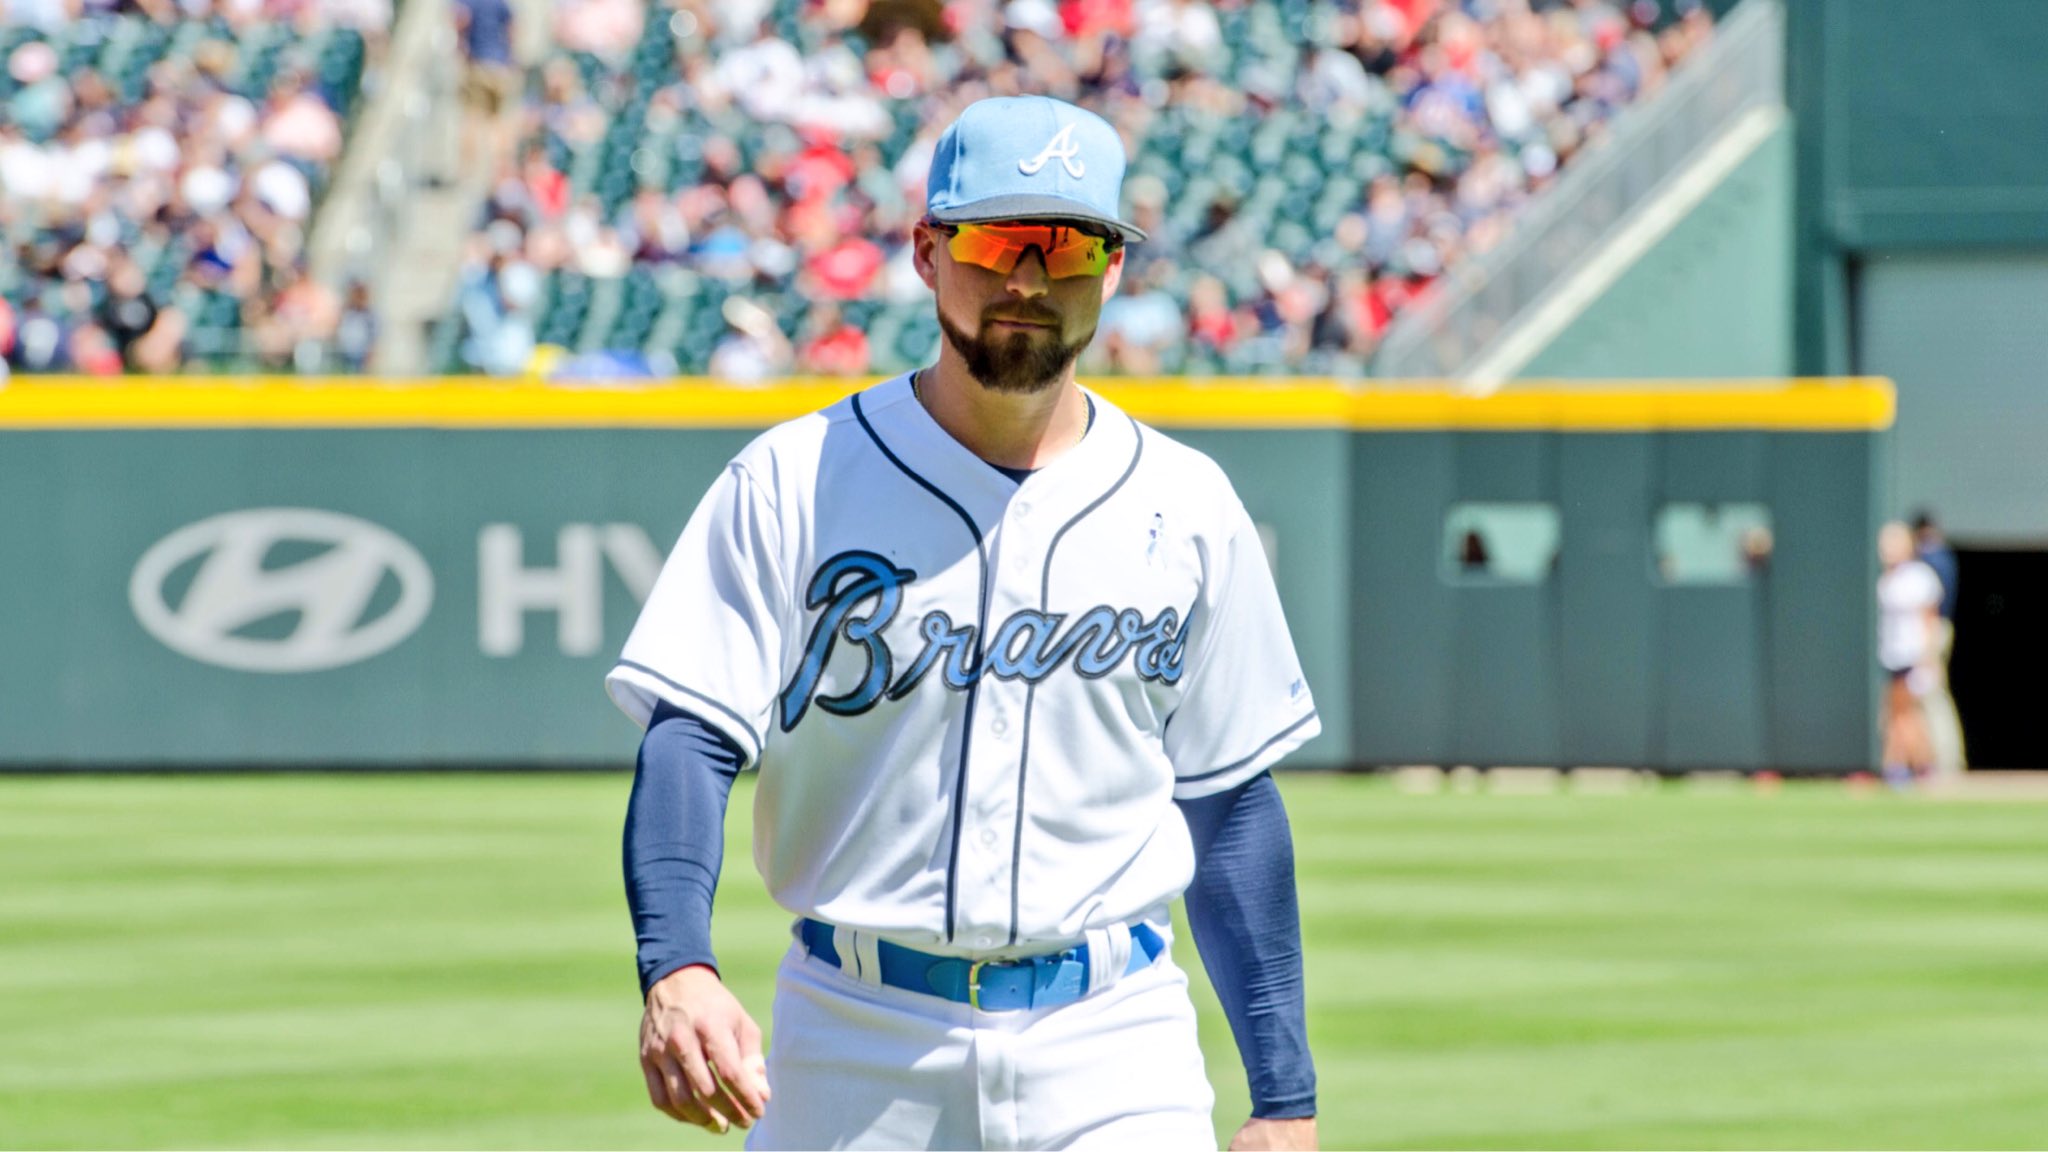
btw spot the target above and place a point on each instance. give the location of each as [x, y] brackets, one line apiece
[924, 252]
[1113, 275]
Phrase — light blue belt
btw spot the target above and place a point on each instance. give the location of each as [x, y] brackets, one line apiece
[989, 985]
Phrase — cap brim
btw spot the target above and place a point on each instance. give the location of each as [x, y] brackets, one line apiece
[1032, 207]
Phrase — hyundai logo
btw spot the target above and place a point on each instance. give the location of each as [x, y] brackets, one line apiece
[247, 607]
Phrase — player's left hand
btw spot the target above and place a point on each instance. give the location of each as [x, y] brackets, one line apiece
[1275, 1134]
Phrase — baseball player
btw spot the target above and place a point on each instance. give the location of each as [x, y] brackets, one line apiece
[1013, 670]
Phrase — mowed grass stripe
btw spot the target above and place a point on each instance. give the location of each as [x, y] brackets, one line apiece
[445, 961]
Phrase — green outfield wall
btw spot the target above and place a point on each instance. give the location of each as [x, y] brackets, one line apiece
[1921, 238]
[272, 574]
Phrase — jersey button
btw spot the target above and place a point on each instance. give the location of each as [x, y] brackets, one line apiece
[1023, 507]
[984, 941]
[988, 836]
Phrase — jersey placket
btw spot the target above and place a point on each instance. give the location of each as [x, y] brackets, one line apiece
[1000, 745]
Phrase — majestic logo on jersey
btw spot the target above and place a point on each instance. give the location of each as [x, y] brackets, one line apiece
[1063, 148]
[860, 594]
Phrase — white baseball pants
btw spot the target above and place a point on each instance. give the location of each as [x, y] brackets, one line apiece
[854, 1064]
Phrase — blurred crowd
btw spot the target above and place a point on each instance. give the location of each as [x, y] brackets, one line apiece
[160, 165]
[729, 187]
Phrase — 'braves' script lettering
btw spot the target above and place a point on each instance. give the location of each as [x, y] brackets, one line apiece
[860, 593]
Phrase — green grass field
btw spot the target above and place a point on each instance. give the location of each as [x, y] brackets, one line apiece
[445, 961]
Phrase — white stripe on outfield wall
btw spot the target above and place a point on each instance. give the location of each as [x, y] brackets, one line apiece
[1651, 222]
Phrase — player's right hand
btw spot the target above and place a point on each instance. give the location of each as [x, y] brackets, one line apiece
[701, 1052]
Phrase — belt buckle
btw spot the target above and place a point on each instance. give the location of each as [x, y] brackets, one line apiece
[974, 983]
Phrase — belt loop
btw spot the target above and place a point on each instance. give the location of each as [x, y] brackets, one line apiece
[1109, 953]
[868, 960]
[843, 942]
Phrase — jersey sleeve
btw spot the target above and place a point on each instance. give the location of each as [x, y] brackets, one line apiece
[1926, 587]
[709, 638]
[1245, 703]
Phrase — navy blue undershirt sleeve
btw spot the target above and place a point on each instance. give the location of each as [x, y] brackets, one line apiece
[1247, 925]
[675, 839]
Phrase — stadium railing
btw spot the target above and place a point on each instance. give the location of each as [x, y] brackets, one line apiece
[405, 141]
[1478, 299]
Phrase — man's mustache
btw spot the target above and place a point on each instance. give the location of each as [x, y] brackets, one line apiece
[1027, 316]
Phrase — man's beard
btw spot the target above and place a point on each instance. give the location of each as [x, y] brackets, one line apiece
[1014, 361]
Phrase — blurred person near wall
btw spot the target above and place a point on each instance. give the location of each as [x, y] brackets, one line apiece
[355, 333]
[831, 345]
[1908, 631]
[1142, 326]
[290, 326]
[1944, 726]
[755, 349]
[490, 79]
[498, 297]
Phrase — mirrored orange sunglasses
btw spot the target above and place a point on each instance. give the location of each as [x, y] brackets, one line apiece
[1067, 251]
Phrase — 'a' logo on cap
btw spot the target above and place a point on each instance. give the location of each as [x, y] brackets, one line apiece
[1063, 148]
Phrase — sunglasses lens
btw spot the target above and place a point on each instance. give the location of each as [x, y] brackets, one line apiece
[997, 247]
[984, 247]
[1081, 255]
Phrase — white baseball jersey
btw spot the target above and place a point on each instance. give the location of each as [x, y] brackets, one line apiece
[1905, 594]
[972, 702]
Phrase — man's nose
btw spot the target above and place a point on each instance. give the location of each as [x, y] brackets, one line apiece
[1028, 279]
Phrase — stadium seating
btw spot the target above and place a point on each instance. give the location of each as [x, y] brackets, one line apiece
[171, 163]
[1276, 144]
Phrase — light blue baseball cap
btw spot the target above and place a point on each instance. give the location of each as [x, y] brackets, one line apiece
[1028, 158]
